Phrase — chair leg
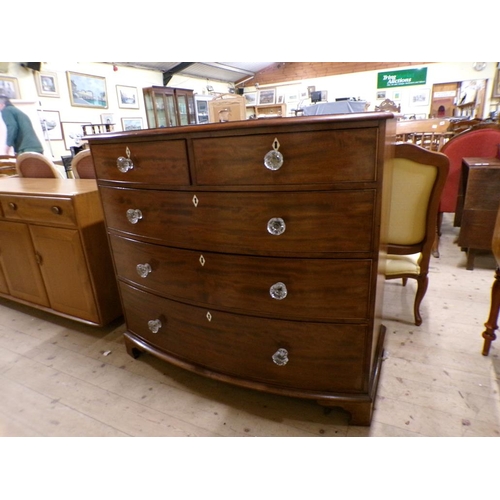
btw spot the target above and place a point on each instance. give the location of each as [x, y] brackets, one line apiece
[404, 280]
[491, 325]
[422, 283]
[435, 246]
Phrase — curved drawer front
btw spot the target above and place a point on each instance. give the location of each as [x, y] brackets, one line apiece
[245, 284]
[316, 222]
[158, 162]
[319, 356]
[58, 211]
[308, 158]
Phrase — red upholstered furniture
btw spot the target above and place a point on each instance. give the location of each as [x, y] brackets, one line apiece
[481, 142]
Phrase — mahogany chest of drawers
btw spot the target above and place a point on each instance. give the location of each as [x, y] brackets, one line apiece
[252, 251]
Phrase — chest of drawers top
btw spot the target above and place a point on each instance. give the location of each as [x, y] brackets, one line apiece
[286, 153]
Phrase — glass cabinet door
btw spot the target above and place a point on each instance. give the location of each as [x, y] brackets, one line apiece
[161, 113]
[150, 111]
[183, 109]
[172, 112]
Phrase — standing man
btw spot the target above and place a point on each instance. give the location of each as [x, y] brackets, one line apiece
[20, 133]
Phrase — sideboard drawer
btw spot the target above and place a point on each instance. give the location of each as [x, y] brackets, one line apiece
[321, 356]
[340, 221]
[161, 162]
[308, 158]
[244, 284]
[58, 211]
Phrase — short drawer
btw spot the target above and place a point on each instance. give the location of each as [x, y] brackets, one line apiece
[320, 356]
[314, 222]
[54, 211]
[252, 285]
[158, 162]
[317, 157]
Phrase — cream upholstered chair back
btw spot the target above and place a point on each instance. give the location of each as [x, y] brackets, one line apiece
[419, 176]
[82, 165]
[37, 165]
[412, 185]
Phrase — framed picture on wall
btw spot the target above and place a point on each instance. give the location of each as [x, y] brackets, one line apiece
[73, 133]
[51, 125]
[131, 124]
[251, 98]
[108, 118]
[267, 96]
[87, 90]
[419, 97]
[9, 87]
[46, 84]
[127, 97]
[496, 84]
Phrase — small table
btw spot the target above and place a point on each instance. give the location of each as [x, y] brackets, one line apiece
[477, 205]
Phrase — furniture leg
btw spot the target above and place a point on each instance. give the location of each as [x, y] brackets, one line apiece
[491, 325]
[471, 254]
[423, 283]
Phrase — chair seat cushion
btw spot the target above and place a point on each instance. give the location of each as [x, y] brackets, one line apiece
[403, 264]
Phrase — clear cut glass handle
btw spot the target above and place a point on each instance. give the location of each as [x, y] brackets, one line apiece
[134, 215]
[143, 270]
[276, 226]
[154, 325]
[278, 291]
[273, 160]
[280, 357]
[124, 164]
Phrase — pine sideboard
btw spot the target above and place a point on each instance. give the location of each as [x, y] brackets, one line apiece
[252, 251]
[54, 250]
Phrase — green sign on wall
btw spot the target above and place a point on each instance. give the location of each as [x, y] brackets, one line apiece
[390, 79]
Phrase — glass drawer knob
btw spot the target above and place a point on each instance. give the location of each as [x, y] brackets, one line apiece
[280, 357]
[273, 160]
[124, 164]
[278, 291]
[276, 226]
[143, 270]
[154, 325]
[134, 215]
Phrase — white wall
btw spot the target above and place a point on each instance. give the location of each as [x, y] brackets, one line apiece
[364, 86]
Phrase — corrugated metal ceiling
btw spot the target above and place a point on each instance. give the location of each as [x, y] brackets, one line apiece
[222, 71]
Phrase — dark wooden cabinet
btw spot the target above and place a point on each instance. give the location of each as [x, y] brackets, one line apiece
[169, 107]
[252, 251]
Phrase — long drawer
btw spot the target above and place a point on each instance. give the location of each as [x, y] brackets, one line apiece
[319, 356]
[252, 285]
[314, 222]
[58, 211]
[308, 158]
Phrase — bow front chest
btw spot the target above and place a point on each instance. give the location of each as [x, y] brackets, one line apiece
[251, 252]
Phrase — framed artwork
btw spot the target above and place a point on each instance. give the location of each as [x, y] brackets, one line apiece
[381, 94]
[9, 87]
[267, 96]
[73, 133]
[127, 97]
[419, 97]
[292, 95]
[108, 118]
[51, 125]
[46, 84]
[87, 90]
[131, 124]
[251, 98]
[496, 84]
[280, 99]
[396, 95]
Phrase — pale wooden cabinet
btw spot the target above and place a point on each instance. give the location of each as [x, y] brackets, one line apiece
[253, 251]
[54, 252]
